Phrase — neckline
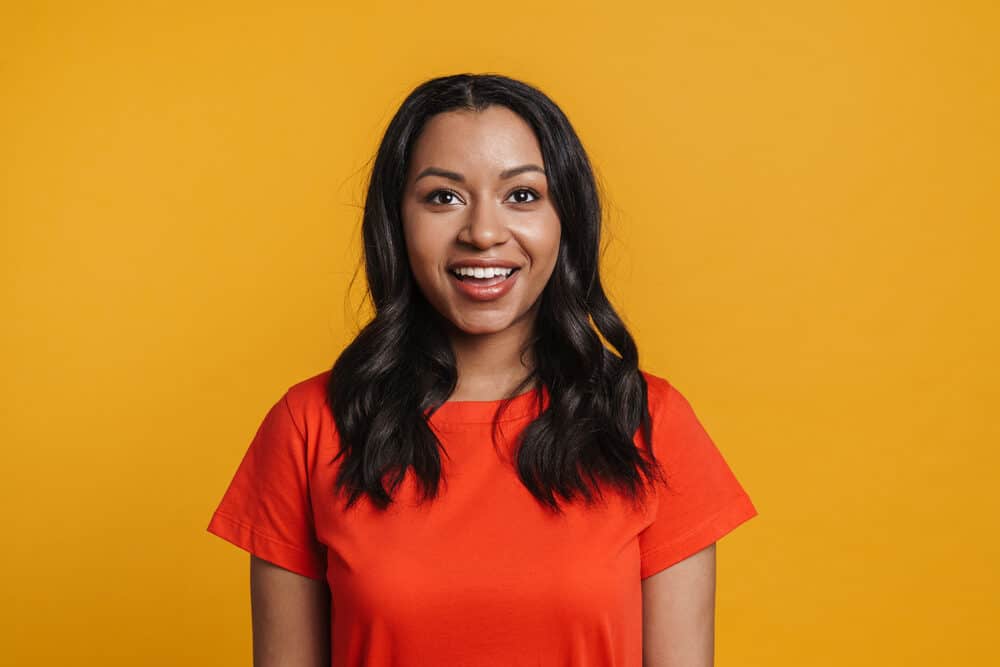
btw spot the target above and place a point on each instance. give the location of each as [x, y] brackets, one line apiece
[521, 406]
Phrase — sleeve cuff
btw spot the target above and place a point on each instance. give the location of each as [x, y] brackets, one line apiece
[737, 511]
[266, 548]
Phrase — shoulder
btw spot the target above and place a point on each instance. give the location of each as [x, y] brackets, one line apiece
[659, 391]
[306, 400]
[310, 389]
[668, 406]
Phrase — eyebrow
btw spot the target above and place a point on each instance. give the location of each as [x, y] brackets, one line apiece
[455, 176]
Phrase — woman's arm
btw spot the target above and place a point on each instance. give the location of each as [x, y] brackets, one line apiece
[678, 613]
[291, 617]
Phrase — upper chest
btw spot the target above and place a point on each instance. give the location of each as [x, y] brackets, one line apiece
[484, 540]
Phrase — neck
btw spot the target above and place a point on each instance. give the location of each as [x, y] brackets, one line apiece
[491, 366]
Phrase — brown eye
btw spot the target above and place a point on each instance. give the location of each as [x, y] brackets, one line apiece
[445, 197]
[520, 194]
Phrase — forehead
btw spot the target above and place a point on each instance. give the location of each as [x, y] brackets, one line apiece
[495, 138]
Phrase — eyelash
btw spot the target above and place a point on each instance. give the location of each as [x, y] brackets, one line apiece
[430, 198]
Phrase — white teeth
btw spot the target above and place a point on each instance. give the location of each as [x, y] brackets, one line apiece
[481, 272]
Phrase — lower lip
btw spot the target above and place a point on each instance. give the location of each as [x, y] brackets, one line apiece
[484, 293]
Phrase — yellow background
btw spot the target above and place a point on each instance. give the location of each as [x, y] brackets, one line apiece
[803, 237]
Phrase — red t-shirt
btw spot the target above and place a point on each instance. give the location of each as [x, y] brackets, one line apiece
[482, 575]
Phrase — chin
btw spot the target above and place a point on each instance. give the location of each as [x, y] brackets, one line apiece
[479, 327]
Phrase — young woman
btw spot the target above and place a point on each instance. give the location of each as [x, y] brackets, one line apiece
[480, 479]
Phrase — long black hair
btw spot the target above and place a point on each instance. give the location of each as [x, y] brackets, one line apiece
[400, 367]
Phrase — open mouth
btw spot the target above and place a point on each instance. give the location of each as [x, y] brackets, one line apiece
[483, 277]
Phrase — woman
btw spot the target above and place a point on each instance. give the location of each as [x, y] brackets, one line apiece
[479, 479]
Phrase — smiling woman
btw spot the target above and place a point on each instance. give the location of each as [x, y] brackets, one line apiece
[583, 497]
[489, 211]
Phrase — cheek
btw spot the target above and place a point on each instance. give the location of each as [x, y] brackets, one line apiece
[543, 241]
[420, 248]
[426, 257]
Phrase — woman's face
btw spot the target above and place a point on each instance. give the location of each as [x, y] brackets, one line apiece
[476, 199]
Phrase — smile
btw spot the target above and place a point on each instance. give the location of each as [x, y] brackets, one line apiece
[479, 273]
[483, 283]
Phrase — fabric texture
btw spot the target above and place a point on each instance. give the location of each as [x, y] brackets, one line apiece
[482, 575]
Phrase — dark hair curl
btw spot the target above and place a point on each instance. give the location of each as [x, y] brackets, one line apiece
[400, 367]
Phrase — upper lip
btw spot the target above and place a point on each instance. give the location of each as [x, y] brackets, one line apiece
[483, 263]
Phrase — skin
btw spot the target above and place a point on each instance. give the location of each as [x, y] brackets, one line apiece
[489, 215]
[678, 613]
[290, 617]
[485, 214]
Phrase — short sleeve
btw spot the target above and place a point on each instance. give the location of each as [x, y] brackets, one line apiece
[266, 509]
[702, 501]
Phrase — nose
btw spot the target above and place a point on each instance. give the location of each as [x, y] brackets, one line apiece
[485, 226]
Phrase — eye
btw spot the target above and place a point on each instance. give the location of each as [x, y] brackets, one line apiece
[444, 197]
[521, 192]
